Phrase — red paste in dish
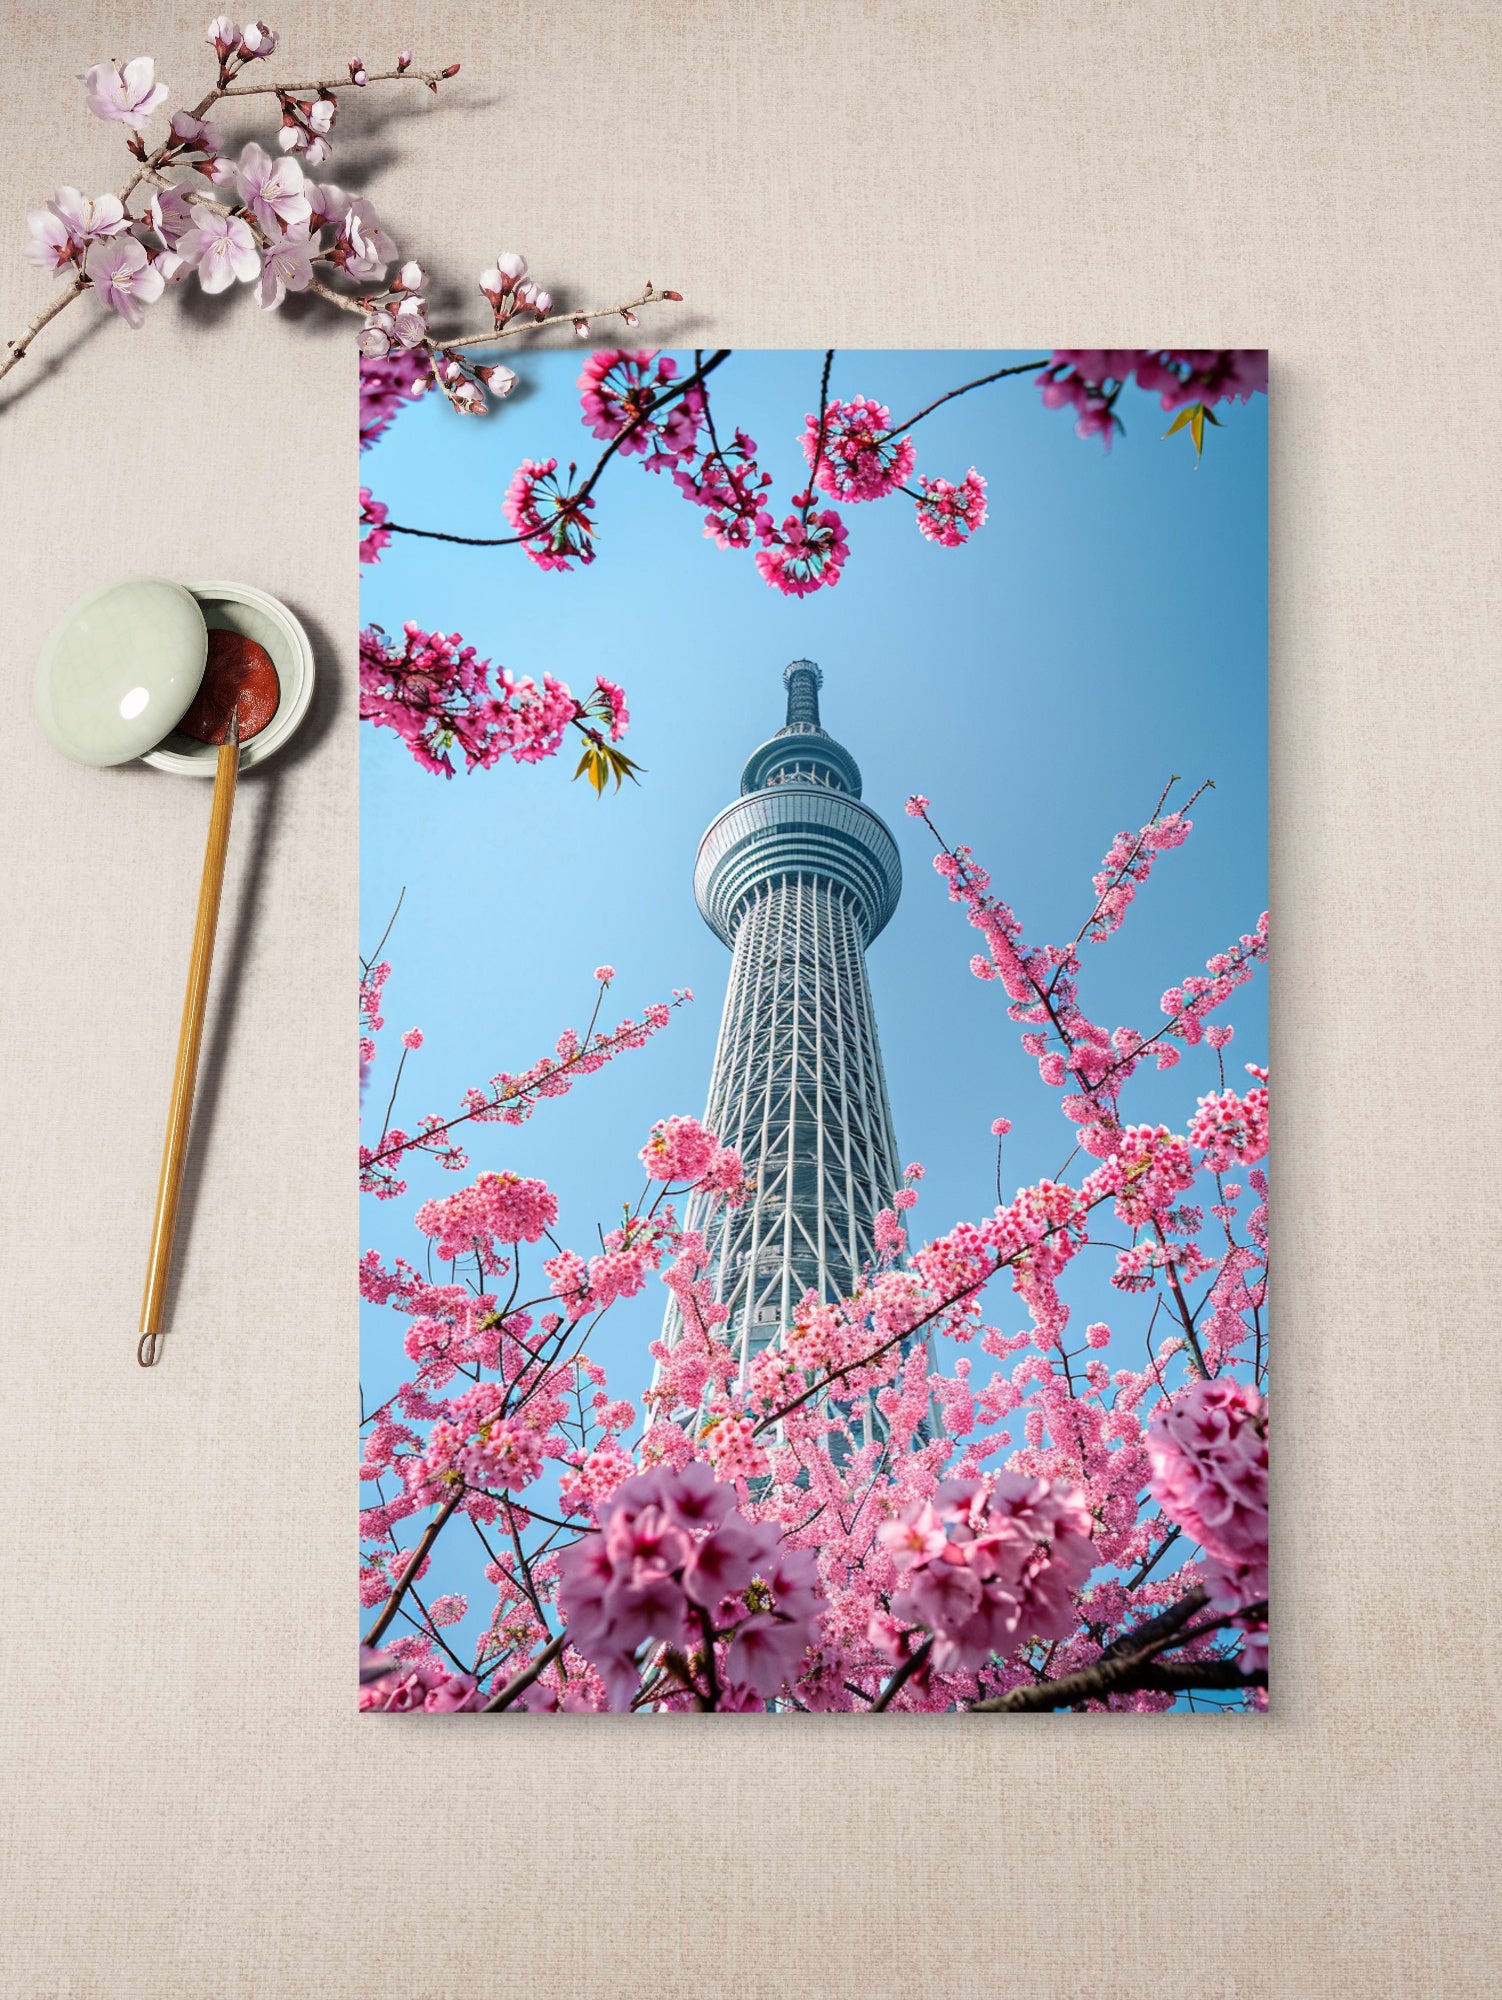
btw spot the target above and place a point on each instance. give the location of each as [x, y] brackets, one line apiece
[238, 676]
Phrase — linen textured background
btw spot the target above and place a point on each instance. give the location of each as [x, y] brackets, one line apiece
[193, 1806]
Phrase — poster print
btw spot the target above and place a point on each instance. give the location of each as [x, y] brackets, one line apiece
[814, 1089]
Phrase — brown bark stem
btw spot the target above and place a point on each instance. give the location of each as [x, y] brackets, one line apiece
[419, 1555]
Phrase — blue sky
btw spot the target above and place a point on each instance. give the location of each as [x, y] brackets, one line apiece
[1106, 627]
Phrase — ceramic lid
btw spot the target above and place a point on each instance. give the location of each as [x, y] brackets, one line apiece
[120, 670]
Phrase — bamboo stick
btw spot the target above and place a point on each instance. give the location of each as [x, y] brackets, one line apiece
[190, 1038]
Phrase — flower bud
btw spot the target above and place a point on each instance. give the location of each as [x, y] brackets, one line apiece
[542, 305]
[376, 334]
[224, 34]
[498, 377]
[512, 266]
[411, 277]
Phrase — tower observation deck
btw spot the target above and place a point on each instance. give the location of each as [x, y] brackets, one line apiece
[797, 877]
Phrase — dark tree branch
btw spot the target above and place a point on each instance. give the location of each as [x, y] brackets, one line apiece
[659, 402]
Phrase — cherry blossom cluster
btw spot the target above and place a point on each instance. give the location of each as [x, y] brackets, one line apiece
[1208, 1450]
[189, 210]
[987, 1566]
[865, 1516]
[439, 696]
[675, 1565]
[1090, 381]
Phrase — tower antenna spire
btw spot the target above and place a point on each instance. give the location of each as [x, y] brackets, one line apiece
[802, 679]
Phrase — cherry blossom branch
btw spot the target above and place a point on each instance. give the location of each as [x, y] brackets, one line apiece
[48, 313]
[519, 1683]
[650, 297]
[866, 1360]
[17, 348]
[655, 405]
[102, 239]
[1022, 368]
[915, 1661]
[415, 1562]
[1125, 1671]
[325, 86]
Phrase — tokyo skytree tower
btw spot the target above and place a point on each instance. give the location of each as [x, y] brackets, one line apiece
[796, 877]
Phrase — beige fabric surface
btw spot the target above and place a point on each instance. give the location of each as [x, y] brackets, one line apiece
[192, 1807]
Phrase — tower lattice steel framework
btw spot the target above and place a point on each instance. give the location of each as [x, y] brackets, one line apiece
[797, 877]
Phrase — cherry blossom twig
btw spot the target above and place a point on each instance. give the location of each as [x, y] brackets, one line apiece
[408, 1576]
[1124, 1672]
[519, 1683]
[915, 1661]
[431, 77]
[1022, 368]
[658, 402]
[50, 312]
[650, 297]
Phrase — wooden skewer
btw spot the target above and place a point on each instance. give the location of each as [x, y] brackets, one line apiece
[190, 1037]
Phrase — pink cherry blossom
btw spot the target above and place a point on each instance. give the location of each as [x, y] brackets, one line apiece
[438, 695]
[804, 554]
[730, 487]
[552, 517]
[619, 393]
[362, 249]
[63, 230]
[172, 214]
[286, 266]
[126, 96]
[1208, 1451]
[376, 535]
[679, 1149]
[604, 973]
[1002, 1573]
[497, 1208]
[124, 277]
[386, 383]
[223, 35]
[221, 249]
[189, 135]
[273, 191]
[949, 514]
[861, 459]
[674, 1561]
